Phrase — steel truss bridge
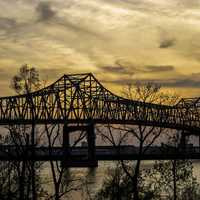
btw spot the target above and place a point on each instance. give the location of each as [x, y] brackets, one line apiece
[79, 101]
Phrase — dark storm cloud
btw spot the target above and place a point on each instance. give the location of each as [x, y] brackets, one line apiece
[183, 83]
[167, 43]
[7, 23]
[119, 67]
[120, 81]
[160, 68]
[128, 68]
[9, 28]
[13, 29]
[190, 81]
[45, 11]
[115, 69]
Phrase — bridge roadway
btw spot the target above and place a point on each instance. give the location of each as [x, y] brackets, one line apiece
[102, 153]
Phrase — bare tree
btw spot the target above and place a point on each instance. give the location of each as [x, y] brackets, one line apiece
[144, 136]
[63, 181]
[8, 177]
[24, 82]
[174, 178]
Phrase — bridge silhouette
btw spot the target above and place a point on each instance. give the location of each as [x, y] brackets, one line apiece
[79, 101]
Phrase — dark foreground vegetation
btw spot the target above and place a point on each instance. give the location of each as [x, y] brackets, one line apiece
[172, 180]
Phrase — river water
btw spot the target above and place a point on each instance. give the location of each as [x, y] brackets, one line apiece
[95, 177]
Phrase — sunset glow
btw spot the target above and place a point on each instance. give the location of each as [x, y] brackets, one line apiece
[120, 41]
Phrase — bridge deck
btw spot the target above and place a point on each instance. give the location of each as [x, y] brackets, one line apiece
[102, 153]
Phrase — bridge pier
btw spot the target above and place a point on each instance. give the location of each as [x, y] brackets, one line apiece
[199, 141]
[185, 136]
[66, 144]
[183, 140]
[91, 142]
[91, 160]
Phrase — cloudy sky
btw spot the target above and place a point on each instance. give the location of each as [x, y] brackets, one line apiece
[120, 41]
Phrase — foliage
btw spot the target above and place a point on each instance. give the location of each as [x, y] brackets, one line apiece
[160, 180]
[16, 176]
[149, 92]
[116, 185]
[155, 183]
[143, 135]
[26, 81]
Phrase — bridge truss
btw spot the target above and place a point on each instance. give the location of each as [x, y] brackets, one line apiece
[81, 99]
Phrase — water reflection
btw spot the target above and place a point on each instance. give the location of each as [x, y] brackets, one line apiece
[93, 177]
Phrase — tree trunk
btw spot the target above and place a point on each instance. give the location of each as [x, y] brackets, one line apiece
[34, 196]
[135, 181]
[21, 180]
[137, 173]
[174, 178]
[57, 195]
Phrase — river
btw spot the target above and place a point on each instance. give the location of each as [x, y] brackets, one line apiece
[95, 177]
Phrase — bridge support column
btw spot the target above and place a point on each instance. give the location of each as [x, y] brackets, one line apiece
[199, 141]
[91, 143]
[66, 142]
[68, 159]
[185, 136]
[183, 141]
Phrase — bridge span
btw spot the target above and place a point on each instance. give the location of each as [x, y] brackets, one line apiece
[80, 98]
[123, 152]
[79, 101]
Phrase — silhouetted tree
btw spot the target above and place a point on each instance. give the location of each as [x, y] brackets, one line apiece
[174, 178]
[63, 181]
[24, 82]
[144, 135]
[116, 185]
[171, 179]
